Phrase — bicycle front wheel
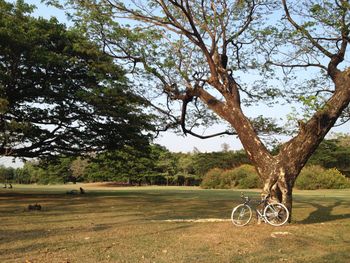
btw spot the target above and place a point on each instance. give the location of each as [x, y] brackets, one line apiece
[276, 214]
[241, 215]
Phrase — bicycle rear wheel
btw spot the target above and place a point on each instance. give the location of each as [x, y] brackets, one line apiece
[241, 215]
[276, 214]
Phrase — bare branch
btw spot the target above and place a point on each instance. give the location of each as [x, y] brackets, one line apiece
[189, 131]
[245, 25]
[296, 65]
[305, 32]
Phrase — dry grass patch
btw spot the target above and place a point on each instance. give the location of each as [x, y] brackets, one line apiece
[127, 225]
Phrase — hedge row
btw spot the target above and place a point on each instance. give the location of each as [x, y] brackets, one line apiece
[245, 176]
[316, 177]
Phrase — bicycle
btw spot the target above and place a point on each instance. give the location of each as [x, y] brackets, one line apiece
[273, 213]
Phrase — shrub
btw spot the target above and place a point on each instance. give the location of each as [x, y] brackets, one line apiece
[315, 177]
[307, 179]
[227, 179]
[243, 176]
[251, 181]
[212, 179]
[334, 179]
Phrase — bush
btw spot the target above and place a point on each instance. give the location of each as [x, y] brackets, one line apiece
[334, 179]
[251, 181]
[212, 179]
[307, 179]
[243, 176]
[315, 177]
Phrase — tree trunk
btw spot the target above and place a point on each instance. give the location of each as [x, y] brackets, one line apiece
[279, 185]
[286, 189]
[276, 193]
[280, 172]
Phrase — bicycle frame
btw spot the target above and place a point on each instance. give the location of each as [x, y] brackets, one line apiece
[273, 213]
[264, 201]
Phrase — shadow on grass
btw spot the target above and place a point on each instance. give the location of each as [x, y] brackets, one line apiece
[323, 213]
[153, 205]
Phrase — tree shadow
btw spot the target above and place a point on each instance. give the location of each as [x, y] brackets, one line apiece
[323, 213]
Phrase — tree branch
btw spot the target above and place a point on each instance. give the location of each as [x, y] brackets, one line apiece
[296, 65]
[305, 32]
[186, 131]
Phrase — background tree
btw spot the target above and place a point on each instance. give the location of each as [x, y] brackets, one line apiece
[168, 165]
[6, 174]
[78, 168]
[186, 163]
[126, 165]
[333, 153]
[206, 54]
[158, 166]
[203, 162]
[59, 94]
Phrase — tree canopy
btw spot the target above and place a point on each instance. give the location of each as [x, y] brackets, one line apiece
[60, 94]
[215, 57]
[178, 43]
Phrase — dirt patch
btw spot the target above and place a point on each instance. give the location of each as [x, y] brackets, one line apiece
[279, 234]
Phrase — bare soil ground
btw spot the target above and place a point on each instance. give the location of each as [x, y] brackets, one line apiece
[109, 224]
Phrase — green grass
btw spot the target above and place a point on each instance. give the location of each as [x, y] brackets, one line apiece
[110, 224]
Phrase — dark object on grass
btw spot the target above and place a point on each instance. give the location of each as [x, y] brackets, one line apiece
[82, 191]
[5, 186]
[72, 192]
[10, 186]
[36, 207]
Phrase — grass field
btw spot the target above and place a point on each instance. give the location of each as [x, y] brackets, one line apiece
[110, 224]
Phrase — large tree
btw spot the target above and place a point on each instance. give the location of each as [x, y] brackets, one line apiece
[59, 93]
[226, 54]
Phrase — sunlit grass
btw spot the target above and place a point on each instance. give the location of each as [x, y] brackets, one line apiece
[110, 224]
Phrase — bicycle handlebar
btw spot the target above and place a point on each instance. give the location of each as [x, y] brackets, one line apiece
[247, 199]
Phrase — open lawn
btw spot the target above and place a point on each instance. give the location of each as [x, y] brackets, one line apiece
[110, 224]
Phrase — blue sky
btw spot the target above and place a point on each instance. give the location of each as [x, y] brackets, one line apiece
[168, 139]
[180, 143]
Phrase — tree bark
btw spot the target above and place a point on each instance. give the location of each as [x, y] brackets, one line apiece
[285, 185]
[294, 154]
[280, 172]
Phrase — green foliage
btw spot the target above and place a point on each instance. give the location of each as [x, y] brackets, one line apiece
[128, 165]
[167, 165]
[247, 177]
[31, 173]
[251, 181]
[78, 168]
[203, 162]
[59, 93]
[6, 173]
[155, 165]
[212, 179]
[310, 105]
[333, 153]
[266, 125]
[243, 176]
[315, 177]
[44, 172]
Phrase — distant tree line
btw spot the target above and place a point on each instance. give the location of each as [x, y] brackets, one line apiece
[152, 166]
[328, 168]
[155, 165]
